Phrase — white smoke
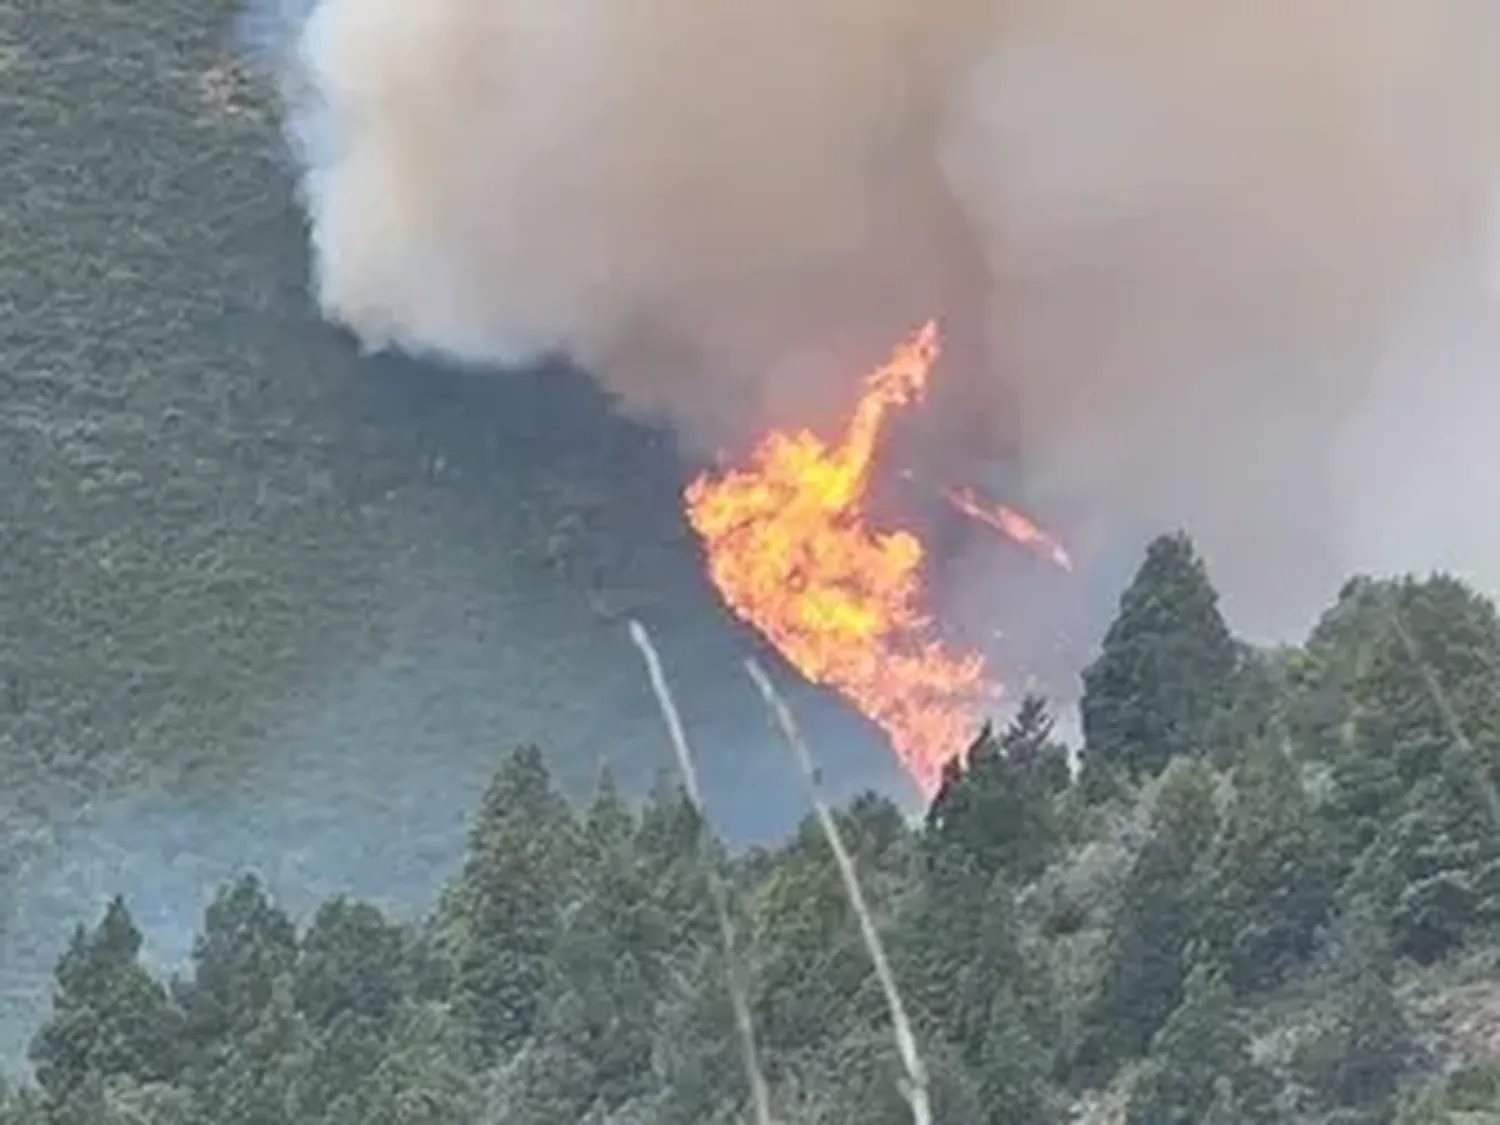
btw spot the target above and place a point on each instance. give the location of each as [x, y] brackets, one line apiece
[1202, 264]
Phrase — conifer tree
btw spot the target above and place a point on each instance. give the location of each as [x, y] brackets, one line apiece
[809, 962]
[1413, 796]
[509, 902]
[1433, 666]
[1271, 884]
[610, 963]
[1364, 1042]
[109, 1015]
[1165, 669]
[1159, 916]
[671, 840]
[425, 1079]
[259, 1077]
[246, 948]
[1200, 1064]
[1012, 1065]
[996, 806]
[352, 964]
[1443, 851]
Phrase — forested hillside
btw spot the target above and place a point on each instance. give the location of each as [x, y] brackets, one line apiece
[244, 571]
[1270, 894]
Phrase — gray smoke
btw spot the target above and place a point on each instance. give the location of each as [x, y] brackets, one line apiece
[1221, 265]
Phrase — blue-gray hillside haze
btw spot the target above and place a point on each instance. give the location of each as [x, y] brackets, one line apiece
[362, 777]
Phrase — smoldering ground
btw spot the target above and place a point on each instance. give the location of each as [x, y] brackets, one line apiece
[1199, 264]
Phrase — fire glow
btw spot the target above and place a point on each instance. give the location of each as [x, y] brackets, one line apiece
[792, 552]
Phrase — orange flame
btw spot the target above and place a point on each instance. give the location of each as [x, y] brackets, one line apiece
[1011, 523]
[791, 552]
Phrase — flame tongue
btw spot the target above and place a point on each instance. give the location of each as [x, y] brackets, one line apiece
[791, 552]
[1010, 523]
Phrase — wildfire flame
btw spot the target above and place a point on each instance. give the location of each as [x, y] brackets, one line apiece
[1009, 522]
[792, 552]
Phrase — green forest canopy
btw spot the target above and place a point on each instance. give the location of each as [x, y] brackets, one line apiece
[1263, 897]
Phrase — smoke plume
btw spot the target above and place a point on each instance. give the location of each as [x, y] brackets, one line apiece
[1221, 265]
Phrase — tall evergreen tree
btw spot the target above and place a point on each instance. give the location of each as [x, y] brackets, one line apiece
[997, 972]
[1433, 667]
[1200, 1064]
[1414, 778]
[1161, 904]
[1323, 672]
[699, 1055]
[1271, 884]
[510, 901]
[337, 1057]
[425, 1079]
[809, 963]
[998, 1013]
[609, 967]
[113, 1101]
[671, 841]
[1363, 1044]
[110, 1017]
[1165, 669]
[247, 946]
[1442, 853]
[997, 805]
[352, 963]
[1012, 1065]
[260, 1076]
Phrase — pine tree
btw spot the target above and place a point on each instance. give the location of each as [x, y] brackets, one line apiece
[110, 1017]
[425, 1079]
[997, 807]
[113, 1101]
[1323, 673]
[1200, 1063]
[247, 947]
[261, 1071]
[998, 970]
[1413, 806]
[352, 963]
[1255, 714]
[610, 964]
[1442, 850]
[509, 902]
[1365, 790]
[700, 1059]
[339, 1056]
[1012, 1064]
[939, 936]
[1271, 884]
[1161, 905]
[1166, 667]
[809, 961]
[609, 831]
[1435, 662]
[1364, 1044]
[670, 844]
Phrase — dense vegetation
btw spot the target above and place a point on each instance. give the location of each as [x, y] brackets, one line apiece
[260, 597]
[1270, 894]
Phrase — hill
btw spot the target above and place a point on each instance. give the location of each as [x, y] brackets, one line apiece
[244, 571]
